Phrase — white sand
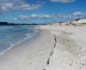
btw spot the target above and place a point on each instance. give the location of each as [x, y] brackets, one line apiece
[56, 48]
[70, 50]
[31, 55]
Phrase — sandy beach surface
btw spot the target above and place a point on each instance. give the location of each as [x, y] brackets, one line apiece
[55, 48]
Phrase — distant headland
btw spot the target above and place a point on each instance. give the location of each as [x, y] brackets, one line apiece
[6, 23]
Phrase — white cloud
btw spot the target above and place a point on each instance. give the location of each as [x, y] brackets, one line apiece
[62, 1]
[41, 15]
[6, 5]
[35, 16]
[53, 16]
[23, 17]
[77, 13]
[29, 7]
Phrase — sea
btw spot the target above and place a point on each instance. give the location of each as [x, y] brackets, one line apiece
[10, 36]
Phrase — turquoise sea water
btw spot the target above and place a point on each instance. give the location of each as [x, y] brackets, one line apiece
[13, 35]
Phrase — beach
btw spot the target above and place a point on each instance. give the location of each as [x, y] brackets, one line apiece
[42, 34]
[55, 48]
[30, 55]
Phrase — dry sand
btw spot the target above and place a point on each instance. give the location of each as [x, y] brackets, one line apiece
[70, 50]
[55, 48]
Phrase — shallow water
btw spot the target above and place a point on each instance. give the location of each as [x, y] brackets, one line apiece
[12, 35]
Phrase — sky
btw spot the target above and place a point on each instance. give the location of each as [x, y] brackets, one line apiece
[40, 11]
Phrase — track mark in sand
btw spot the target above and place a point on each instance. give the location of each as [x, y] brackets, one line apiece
[72, 47]
[51, 53]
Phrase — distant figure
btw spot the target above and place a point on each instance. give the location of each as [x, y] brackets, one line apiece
[77, 19]
[60, 23]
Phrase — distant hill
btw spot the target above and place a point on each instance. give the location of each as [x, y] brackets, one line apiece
[3, 23]
[6, 23]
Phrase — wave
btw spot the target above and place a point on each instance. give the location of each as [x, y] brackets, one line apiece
[28, 37]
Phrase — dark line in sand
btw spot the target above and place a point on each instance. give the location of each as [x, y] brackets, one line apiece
[51, 53]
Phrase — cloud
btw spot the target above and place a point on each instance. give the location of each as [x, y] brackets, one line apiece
[62, 1]
[23, 17]
[29, 7]
[54, 17]
[35, 16]
[77, 13]
[6, 5]
[41, 16]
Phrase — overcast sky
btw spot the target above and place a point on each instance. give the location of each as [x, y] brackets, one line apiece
[28, 11]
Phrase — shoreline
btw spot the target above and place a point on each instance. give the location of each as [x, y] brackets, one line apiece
[30, 54]
[54, 48]
[27, 38]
